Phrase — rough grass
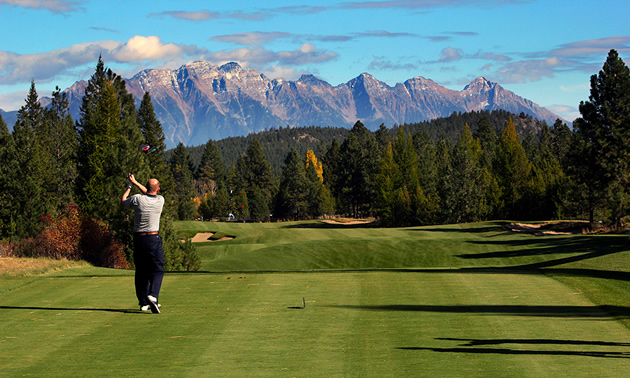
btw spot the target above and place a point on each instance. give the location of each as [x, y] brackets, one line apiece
[467, 300]
[26, 266]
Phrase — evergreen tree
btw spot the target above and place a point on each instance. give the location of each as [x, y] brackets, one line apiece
[181, 169]
[8, 182]
[253, 174]
[547, 194]
[259, 210]
[358, 165]
[30, 179]
[561, 136]
[384, 183]
[331, 169]
[444, 171]
[383, 138]
[60, 144]
[153, 135]
[465, 201]
[109, 137]
[294, 190]
[407, 180]
[605, 131]
[513, 171]
[241, 205]
[487, 137]
[427, 176]
[211, 173]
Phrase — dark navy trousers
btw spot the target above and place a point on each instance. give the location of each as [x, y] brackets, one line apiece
[149, 259]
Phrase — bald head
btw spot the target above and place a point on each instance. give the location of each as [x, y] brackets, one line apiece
[153, 186]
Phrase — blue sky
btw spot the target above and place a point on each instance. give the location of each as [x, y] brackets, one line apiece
[545, 51]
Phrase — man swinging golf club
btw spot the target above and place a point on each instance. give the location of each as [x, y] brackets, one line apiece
[148, 254]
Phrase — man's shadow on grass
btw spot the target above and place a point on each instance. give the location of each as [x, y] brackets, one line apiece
[123, 311]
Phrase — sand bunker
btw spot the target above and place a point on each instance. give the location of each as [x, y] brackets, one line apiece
[206, 237]
[550, 228]
[348, 221]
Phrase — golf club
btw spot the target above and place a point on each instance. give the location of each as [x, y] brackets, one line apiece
[143, 148]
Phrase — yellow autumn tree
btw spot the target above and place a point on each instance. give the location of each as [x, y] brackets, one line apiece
[312, 159]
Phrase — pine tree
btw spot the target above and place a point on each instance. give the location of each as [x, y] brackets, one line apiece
[253, 174]
[561, 136]
[294, 189]
[428, 178]
[153, 135]
[358, 165]
[386, 189]
[512, 171]
[211, 173]
[33, 201]
[8, 182]
[259, 210]
[487, 137]
[444, 171]
[331, 169]
[60, 144]
[605, 131]
[181, 169]
[109, 137]
[465, 200]
[241, 205]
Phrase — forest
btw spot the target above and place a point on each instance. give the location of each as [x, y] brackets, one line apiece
[61, 179]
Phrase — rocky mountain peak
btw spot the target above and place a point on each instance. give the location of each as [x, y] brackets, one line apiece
[231, 67]
[479, 85]
[199, 101]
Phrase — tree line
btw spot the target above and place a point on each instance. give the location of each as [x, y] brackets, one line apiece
[467, 167]
[57, 176]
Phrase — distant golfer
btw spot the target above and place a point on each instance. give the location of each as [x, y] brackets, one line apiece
[148, 255]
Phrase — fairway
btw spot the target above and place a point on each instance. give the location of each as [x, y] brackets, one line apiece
[465, 300]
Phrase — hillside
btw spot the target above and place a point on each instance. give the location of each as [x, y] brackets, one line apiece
[277, 143]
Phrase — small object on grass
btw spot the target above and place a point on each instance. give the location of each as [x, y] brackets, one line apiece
[303, 303]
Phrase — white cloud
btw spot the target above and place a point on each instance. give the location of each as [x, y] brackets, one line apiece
[569, 113]
[208, 15]
[593, 47]
[259, 58]
[529, 70]
[15, 68]
[251, 39]
[280, 72]
[12, 101]
[54, 6]
[451, 54]
[188, 16]
[145, 48]
[44, 67]
[576, 88]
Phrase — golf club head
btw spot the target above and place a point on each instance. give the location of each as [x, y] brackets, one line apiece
[143, 148]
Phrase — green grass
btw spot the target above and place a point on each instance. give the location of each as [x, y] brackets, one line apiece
[460, 300]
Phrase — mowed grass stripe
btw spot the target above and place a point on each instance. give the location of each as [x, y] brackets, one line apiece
[358, 324]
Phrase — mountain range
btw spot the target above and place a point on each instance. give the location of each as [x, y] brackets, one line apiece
[201, 101]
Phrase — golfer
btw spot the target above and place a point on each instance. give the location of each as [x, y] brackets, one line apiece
[148, 255]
